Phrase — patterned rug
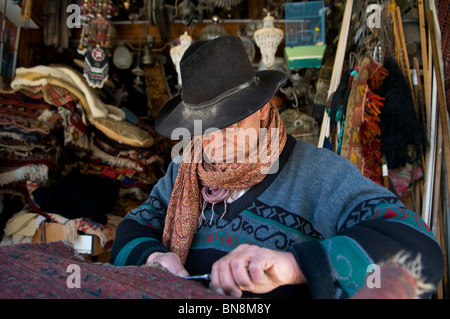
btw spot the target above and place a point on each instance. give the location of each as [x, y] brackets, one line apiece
[49, 270]
[157, 88]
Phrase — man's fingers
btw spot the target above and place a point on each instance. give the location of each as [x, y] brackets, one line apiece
[170, 261]
[222, 279]
[257, 271]
[240, 274]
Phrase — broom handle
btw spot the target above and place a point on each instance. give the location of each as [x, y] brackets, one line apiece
[337, 68]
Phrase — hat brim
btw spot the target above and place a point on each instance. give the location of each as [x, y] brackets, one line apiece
[175, 119]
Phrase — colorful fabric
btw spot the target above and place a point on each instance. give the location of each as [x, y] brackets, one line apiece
[403, 178]
[351, 140]
[30, 138]
[45, 135]
[96, 66]
[95, 40]
[184, 207]
[369, 132]
[75, 134]
[133, 167]
[40, 76]
[55, 271]
[335, 221]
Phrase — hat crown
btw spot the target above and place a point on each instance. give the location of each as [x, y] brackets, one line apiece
[214, 69]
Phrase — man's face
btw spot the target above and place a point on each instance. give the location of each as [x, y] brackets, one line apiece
[234, 143]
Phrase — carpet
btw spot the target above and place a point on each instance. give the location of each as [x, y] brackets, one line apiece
[48, 270]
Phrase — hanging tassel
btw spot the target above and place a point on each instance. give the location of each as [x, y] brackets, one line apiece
[370, 132]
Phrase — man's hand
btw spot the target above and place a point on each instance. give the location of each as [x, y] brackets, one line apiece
[255, 269]
[170, 261]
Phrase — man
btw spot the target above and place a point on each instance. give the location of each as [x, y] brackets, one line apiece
[264, 214]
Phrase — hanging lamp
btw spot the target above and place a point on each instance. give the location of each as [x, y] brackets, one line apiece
[267, 39]
[213, 30]
[176, 53]
[122, 57]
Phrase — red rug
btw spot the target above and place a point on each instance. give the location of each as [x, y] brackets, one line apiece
[42, 270]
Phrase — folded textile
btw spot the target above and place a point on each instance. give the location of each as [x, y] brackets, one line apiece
[71, 80]
[32, 120]
[12, 201]
[30, 139]
[22, 223]
[56, 96]
[132, 166]
[123, 131]
[105, 233]
[75, 134]
[109, 150]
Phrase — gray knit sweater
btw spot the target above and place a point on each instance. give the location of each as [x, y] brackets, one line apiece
[317, 205]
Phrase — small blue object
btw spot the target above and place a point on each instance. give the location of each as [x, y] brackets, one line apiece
[130, 116]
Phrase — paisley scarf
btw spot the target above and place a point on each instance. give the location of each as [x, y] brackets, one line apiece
[194, 176]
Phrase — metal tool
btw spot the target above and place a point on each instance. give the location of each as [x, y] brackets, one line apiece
[199, 277]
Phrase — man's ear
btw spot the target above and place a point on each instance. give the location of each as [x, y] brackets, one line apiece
[264, 112]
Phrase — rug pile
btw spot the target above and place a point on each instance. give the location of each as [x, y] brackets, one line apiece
[54, 271]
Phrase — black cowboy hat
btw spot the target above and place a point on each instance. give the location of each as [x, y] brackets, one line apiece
[219, 87]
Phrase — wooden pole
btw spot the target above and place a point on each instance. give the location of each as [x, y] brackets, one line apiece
[337, 67]
[437, 221]
[436, 204]
[406, 57]
[398, 46]
[423, 47]
[418, 89]
[440, 93]
[430, 157]
[403, 46]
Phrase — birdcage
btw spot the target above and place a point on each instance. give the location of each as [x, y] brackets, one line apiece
[305, 23]
[305, 34]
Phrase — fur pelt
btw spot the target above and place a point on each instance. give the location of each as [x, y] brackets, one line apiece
[402, 134]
